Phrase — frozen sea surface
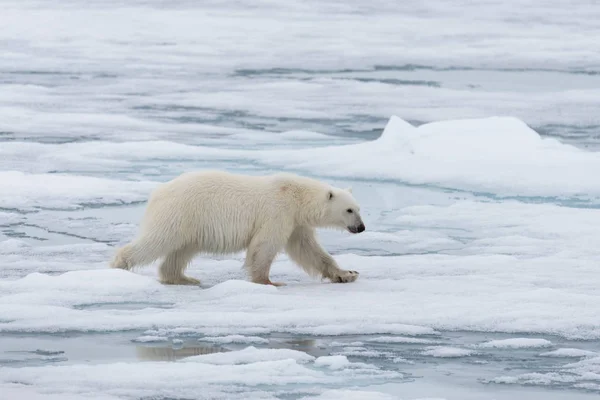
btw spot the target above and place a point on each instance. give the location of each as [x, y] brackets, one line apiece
[468, 131]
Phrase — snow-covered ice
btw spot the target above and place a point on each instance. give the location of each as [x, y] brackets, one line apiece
[251, 355]
[469, 133]
[516, 343]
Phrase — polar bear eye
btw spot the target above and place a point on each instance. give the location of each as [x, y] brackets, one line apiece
[349, 210]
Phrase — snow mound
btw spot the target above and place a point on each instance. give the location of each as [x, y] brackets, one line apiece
[499, 155]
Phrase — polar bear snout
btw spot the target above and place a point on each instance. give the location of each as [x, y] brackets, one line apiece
[357, 228]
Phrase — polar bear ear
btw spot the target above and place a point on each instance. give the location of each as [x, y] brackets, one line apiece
[349, 189]
[330, 195]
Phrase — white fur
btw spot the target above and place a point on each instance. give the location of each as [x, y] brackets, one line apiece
[218, 212]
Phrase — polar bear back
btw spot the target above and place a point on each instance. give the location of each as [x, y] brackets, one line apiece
[222, 212]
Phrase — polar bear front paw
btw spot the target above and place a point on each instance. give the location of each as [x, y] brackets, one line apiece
[344, 276]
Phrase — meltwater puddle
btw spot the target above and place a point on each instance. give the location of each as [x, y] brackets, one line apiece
[461, 365]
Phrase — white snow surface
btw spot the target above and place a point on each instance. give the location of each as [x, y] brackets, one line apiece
[421, 294]
[527, 265]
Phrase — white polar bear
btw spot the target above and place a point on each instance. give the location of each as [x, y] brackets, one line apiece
[218, 212]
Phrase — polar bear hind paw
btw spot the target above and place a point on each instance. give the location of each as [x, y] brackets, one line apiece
[269, 282]
[183, 280]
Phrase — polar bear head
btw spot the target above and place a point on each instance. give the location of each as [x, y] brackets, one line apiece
[342, 211]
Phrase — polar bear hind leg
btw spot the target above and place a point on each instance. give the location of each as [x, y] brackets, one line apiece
[172, 269]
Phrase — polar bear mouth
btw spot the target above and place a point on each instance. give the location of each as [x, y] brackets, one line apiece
[356, 229]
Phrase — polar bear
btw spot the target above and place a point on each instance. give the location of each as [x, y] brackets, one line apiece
[218, 212]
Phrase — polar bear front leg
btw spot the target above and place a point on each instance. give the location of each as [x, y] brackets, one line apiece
[259, 258]
[304, 249]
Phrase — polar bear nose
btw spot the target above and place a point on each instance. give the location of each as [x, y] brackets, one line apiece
[357, 228]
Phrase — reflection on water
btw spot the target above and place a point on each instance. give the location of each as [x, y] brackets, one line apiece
[169, 353]
[175, 351]
[314, 347]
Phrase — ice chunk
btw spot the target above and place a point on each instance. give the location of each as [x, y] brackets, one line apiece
[515, 343]
[583, 374]
[393, 328]
[251, 355]
[234, 339]
[158, 378]
[150, 339]
[447, 352]
[569, 352]
[238, 374]
[332, 362]
[499, 155]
